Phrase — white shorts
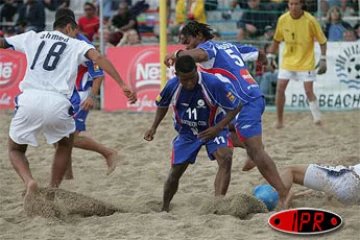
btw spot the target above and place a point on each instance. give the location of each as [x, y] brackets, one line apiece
[41, 112]
[305, 76]
[342, 182]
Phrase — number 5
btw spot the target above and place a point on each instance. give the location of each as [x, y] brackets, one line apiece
[238, 61]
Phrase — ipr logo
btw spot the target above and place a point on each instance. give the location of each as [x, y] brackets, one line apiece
[305, 221]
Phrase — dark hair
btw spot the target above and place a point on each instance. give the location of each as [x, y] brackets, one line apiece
[185, 64]
[64, 12]
[193, 28]
[90, 5]
[61, 22]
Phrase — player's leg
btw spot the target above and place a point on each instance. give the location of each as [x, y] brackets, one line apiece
[283, 81]
[87, 143]
[24, 127]
[185, 150]
[172, 184]
[21, 164]
[61, 160]
[294, 174]
[110, 155]
[58, 129]
[223, 156]
[221, 149]
[309, 91]
[249, 128]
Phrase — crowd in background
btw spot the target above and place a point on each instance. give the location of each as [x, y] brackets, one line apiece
[126, 22]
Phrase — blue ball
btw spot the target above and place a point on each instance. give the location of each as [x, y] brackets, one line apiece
[267, 194]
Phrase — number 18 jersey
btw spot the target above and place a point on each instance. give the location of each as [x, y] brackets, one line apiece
[52, 60]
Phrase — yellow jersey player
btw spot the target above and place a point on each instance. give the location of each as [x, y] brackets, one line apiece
[299, 29]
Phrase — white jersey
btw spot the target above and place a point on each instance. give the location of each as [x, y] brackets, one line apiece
[52, 60]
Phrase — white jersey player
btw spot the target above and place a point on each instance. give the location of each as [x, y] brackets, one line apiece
[43, 106]
[340, 181]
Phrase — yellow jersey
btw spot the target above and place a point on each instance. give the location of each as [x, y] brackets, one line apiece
[299, 36]
[194, 7]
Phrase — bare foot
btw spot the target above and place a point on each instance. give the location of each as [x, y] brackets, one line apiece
[318, 123]
[31, 188]
[112, 161]
[69, 174]
[248, 165]
[279, 125]
[284, 203]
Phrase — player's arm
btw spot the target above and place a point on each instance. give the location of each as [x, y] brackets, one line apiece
[198, 54]
[108, 67]
[90, 101]
[163, 101]
[159, 116]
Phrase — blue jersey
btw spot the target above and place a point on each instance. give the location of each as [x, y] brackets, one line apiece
[228, 59]
[197, 109]
[87, 72]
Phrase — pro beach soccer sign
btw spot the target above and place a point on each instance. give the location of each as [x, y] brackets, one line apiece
[339, 87]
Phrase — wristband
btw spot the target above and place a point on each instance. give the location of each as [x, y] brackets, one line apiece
[323, 57]
[177, 53]
[93, 96]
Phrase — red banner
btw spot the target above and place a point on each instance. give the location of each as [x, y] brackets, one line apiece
[12, 71]
[140, 68]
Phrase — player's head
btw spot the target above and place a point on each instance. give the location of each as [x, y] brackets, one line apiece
[185, 70]
[66, 25]
[296, 8]
[194, 33]
[64, 12]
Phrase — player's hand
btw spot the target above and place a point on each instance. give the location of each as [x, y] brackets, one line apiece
[170, 59]
[130, 94]
[321, 66]
[88, 104]
[149, 134]
[209, 133]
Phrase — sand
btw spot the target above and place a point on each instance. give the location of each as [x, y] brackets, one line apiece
[129, 199]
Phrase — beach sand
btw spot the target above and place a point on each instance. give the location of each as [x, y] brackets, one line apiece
[130, 198]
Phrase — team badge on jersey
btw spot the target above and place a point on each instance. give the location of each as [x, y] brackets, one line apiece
[96, 67]
[230, 96]
[158, 98]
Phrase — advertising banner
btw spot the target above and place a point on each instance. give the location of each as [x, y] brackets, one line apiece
[12, 71]
[140, 68]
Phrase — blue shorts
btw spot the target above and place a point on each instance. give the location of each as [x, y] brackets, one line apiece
[186, 147]
[80, 120]
[248, 122]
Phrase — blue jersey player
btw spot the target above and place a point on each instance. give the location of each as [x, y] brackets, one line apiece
[88, 82]
[203, 106]
[227, 59]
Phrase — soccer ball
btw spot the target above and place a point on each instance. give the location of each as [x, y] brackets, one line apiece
[267, 194]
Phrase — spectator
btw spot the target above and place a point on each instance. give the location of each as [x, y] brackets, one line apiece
[124, 19]
[328, 4]
[335, 26]
[130, 38]
[253, 21]
[350, 35]
[269, 77]
[89, 24]
[54, 5]
[9, 10]
[32, 16]
[190, 10]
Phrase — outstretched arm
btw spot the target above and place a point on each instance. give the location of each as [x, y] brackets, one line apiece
[108, 67]
[198, 54]
[160, 114]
